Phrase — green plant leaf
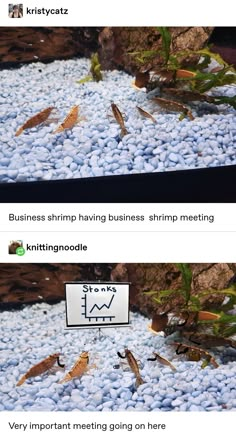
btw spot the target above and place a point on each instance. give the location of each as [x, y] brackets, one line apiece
[205, 363]
[162, 295]
[215, 56]
[224, 326]
[173, 63]
[166, 42]
[144, 56]
[226, 319]
[231, 291]
[85, 79]
[151, 293]
[186, 280]
[229, 331]
[95, 68]
[204, 62]
[194, 304]
[204, 81]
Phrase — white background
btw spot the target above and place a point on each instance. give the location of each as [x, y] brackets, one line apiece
[224, 217]
[121, 241]
[126, 247]
[176, 423]
[126, 13]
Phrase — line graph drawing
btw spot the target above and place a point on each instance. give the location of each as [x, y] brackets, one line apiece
[103, 309]
[103, 305]
[95, 304]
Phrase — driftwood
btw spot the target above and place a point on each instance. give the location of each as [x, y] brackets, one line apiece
[45, 44]
[30, 283]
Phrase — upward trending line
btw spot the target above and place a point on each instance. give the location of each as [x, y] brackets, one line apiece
[104, 305]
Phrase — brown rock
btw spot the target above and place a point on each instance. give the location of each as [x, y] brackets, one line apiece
[118, 43]
[193, 38]
[215, 276]
[160, 277]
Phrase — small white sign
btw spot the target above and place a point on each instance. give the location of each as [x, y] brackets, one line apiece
[96, 304]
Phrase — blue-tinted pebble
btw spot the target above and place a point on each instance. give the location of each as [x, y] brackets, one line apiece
[123, 162]
[148, 399]
[196, 408]
[166, 402]
[12, 173]
[196, 393]
[78, 160]
[97, 171]
[5, 161]
[148, 167]
[177, 403]
[68, 161]
[139, 152]
[73, 166]
[109, 404]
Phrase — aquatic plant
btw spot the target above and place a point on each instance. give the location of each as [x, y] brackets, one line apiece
[190, 309]
[166, 43]
[185, 70]
[95, 70]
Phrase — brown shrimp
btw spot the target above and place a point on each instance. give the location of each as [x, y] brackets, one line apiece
[37, 119]
[40, 367]
[133, 366]
[146, 114]
[70, 120]
[162, 361]
[170, 105]
[79, 368]
[195, 353]
[119, 119]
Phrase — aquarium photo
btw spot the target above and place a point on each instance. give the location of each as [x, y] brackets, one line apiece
[168, 346]
[96, 102]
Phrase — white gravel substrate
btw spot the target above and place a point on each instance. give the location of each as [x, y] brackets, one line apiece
[33, 333]
[94, 146]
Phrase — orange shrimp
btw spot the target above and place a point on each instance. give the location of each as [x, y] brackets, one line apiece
[70, 120]
[41, 367]
[79, 368]
[37, 119]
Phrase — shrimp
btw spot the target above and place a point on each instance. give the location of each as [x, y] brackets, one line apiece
[119, 119]
[133, 364]
[79, 368]
[146, 114]
[37, 119]
[162, 361]
[41, 367]
[70, 120]
[174, 106]
[195, 354]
